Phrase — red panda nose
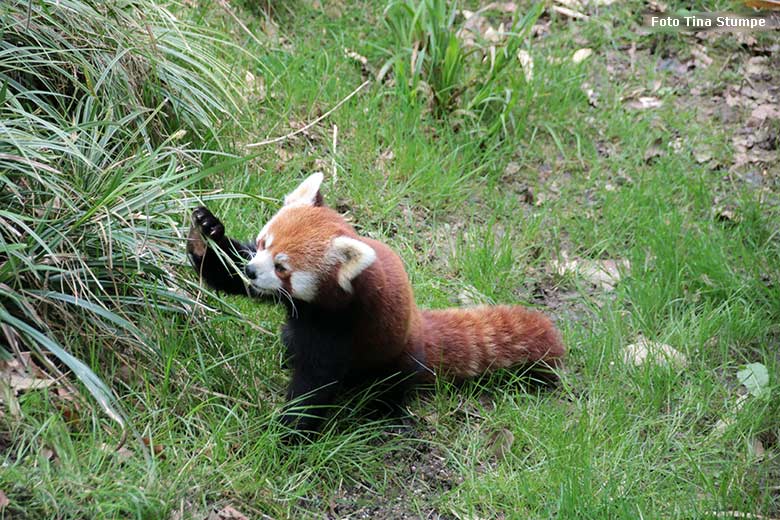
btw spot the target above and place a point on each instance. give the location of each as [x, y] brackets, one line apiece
[250, 272]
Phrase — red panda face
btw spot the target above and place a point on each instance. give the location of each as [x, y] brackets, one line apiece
[306, 249]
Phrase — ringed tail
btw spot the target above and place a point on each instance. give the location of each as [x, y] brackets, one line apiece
[464, 342]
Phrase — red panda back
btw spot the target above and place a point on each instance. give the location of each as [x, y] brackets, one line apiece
[463, 343]
[391, 320]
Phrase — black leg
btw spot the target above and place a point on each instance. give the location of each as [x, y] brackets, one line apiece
[309, 396]
[216, 270]
[318, 347]
[287, 341]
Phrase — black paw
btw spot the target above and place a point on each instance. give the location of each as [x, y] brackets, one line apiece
[297, 429]
[207, 224]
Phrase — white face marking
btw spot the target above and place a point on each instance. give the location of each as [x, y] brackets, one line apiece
[282, 260]
[265, 280]
[263, 235]
[304, 285]
[269, 239]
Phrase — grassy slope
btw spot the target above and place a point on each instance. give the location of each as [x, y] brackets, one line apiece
[611, 442]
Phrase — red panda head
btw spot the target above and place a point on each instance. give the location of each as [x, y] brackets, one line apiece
[307, 250]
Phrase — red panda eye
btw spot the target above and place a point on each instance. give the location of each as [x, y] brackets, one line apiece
[280, 268]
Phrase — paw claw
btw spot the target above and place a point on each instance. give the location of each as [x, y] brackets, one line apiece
[199, 214]
[218, 229]
[207, 224]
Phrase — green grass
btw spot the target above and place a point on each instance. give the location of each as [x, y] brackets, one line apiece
[450, 194]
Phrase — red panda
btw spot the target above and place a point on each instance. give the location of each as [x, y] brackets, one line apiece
[351, 309]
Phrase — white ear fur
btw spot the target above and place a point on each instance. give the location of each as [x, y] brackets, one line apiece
[355, 257]
[306, 192]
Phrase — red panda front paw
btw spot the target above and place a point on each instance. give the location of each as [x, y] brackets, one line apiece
[207, 224]
[298, 428]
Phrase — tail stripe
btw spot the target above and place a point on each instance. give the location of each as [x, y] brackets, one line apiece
[467, 342]
[466, 327]
[480, 343]
[507, 353]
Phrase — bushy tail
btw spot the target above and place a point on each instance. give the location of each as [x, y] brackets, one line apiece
[463, 343]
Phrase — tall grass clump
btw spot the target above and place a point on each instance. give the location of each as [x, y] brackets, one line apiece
[102, 108]
[434, 50]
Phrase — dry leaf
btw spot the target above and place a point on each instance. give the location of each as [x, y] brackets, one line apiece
[540, 29]
[701, 59]
[255, 85]
[334, 10]
[763, 112]
[660, 353]
[492, 35]
[21, 383]
[733, 100]
[527, 63]
[593, 97]
[570, 13]
[384, 159]
[604, 274]
[526, 195]
[122, 454]
[760, 93]
[500, 442]
[738, 514]
[582, 5]
[727, 421]
[757, 66]
[659, 7]
[571, 4]
[511, 169]
[745, 38]
[157, 448]
[475, 26]
[702, 156]
[283, 154]
[470, 296]
[3, 500]
[269, 28]
[581, 55]
[644, 103]
[757, 447]
[355, 56]
[507, 7]
[544, 197]
[227, 513]
[725, 215]
[654, 150]
[22, 374]
[48, 454]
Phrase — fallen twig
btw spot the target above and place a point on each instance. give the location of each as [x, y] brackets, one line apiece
[311, 124]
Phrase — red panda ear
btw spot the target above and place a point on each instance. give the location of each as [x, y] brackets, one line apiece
[354, 256]
[307, 193]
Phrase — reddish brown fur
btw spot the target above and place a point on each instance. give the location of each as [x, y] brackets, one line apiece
[391, 330]
[464, 343]
[304, 233]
